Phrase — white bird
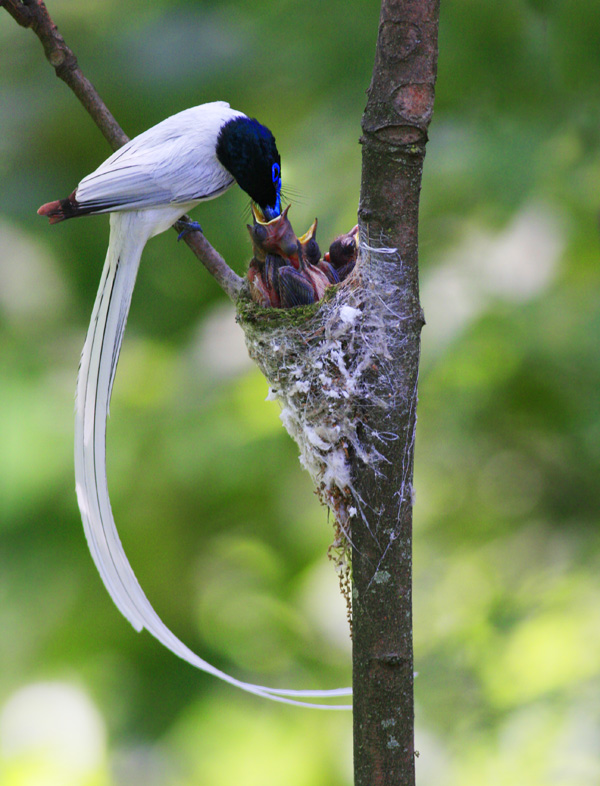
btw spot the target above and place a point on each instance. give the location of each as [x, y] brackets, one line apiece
[146, 186]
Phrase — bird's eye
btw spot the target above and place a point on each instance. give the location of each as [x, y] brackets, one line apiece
[259, 233]
[275, 172]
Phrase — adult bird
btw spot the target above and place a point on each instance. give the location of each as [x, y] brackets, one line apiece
[146, 186]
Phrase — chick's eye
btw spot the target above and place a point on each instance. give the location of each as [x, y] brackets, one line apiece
[259, 233]
[275, 172]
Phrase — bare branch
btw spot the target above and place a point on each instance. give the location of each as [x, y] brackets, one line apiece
[228, 280]
[34, 14]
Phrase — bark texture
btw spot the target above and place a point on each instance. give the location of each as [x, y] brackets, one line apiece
[398, 111]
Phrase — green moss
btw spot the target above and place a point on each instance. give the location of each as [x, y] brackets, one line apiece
[249, 314]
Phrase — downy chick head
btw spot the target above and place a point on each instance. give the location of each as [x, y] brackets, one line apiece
[310, 248]
[274, 237]
[344, 249]
[247, 149]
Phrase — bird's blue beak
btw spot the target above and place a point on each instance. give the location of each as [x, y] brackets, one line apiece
[272, 212]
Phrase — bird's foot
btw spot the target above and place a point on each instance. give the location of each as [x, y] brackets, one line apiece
[188, 226]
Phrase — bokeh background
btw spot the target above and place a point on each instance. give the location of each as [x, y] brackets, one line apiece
[218, 519]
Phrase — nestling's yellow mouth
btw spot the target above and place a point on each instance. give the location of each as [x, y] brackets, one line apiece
[259, 216]
[309, 234]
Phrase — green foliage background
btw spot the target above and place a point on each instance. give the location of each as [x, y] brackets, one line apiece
[214, 511]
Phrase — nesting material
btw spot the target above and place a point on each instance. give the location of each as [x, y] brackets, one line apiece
[324, 364]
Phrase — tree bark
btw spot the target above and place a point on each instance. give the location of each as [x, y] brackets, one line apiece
[398, 111]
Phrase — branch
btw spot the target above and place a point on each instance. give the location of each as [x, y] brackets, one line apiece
[227, 279]
[34, 14]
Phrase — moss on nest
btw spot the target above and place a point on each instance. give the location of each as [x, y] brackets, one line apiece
[249, 314]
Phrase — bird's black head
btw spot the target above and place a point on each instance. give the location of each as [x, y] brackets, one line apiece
[247, 149]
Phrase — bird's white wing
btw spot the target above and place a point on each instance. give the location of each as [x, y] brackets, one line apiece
[173, 162]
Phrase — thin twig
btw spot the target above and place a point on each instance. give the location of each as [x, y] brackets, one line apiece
[228, 280]
[34, 14]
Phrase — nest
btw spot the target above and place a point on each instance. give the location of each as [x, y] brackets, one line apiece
[323, 363]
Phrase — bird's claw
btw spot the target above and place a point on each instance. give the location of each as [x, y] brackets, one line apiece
[188, 226]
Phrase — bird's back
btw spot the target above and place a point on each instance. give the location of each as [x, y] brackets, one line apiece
[172, 162]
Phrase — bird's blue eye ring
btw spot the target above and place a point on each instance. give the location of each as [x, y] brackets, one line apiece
[275, 173]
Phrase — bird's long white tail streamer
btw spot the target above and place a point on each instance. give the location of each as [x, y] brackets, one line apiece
[99, 359]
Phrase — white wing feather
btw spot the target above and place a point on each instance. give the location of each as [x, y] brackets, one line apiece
[172, 162]
[129, 233]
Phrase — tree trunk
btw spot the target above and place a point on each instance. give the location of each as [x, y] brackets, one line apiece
[399, 108]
